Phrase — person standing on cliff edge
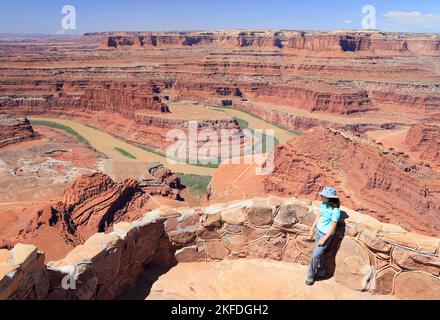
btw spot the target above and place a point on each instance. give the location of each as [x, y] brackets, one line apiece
[325, 225]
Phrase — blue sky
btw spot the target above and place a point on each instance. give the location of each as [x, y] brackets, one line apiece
[44, 16]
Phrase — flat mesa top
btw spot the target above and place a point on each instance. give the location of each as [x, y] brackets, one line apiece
[268, 32]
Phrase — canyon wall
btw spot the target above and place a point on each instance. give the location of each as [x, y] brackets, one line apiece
[339, 41]
[13, 130]
[366, 255]
[302, 122]
[369, 177]
[114, 97]
[425, 139]
[94, 203]
[307, 95]
[343, 72]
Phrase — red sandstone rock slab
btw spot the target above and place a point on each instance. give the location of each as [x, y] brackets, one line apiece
[190, 254]
[247, 279]
[384, 282]
[353, 265]
[411, 260]
[260, 214]
[215, 250]
[374, 243]
[233, 242]
[417, 286]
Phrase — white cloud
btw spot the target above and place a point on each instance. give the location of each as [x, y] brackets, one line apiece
[403, 15]
[413, 18]
[348, 22]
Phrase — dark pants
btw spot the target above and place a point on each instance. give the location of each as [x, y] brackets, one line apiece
[317, 265]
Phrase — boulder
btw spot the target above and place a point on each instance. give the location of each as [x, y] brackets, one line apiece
[260, 214]
[208, 233]
[234, 242]
[278, 241]
[191, 254]
[183, 237]
[251, 233]
[376, 244]
[309, 218]
[353, 268]
[232, 228]
[234, 215]
[300, 229]
[291, 252]
[263, 250]
[351, 230]
[286, 216]
[305, 245]
[215, 250]
[23, 255]
[213, 220]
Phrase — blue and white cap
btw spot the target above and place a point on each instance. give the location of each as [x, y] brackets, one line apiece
[329, 192]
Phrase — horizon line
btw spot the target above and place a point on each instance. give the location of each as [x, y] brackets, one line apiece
[67, 34]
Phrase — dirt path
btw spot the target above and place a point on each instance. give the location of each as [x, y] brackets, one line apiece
[106, 143]
[243, 279]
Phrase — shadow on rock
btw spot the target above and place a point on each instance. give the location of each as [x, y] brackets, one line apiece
[335, 245]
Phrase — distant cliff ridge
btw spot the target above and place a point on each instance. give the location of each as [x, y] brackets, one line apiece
[340, 41]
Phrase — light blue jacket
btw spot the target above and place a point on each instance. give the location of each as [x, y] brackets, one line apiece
[328, 216]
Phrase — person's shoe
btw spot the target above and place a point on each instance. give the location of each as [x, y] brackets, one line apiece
[310, 281]
[321, 277]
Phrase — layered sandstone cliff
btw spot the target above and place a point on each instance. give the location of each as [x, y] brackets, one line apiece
[113, 97]
[381, 182]
[13, 130]
[425, 139]
[333, 72]
[339, 41]
[372, 178]
[94, 203]
[369, 177]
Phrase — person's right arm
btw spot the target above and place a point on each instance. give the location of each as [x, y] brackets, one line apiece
[312, 230]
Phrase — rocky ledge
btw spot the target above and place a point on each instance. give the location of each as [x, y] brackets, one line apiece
[366, 255]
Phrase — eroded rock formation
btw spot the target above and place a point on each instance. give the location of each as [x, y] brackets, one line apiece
[369, 177]
[380, 182]
[13, 130]
[333, 72]
[339, 41]
[94, 203]
[425, 139]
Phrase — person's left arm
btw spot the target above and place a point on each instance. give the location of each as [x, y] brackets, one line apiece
[336, 213]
